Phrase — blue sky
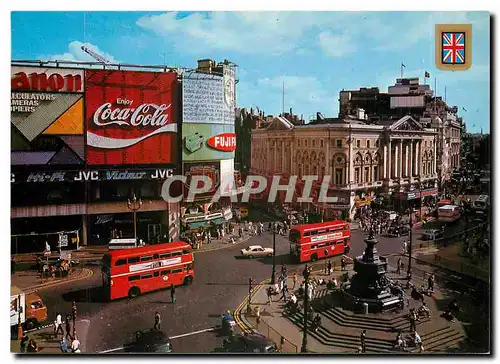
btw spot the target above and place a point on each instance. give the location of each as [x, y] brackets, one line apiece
[316, 54]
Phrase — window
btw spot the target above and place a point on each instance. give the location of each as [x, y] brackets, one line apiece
[165, 272]
[165, 255]
[156, 274]
[356, 175]
[358, 143]
[367, 174]
[307, 233]
[120, 262]
[134, 278]
[186, 251]
[339, 143]
[305, 142]
[175, 254]
[375, 173]
[314, 142]
[377, 143]
[146, 276]
[321, 143]
[338, 176]
[298, 142]
[147, 258]
[368, 144]
[178, 270]
[133, 260]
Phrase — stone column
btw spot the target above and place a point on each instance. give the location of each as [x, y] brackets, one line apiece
[400, 169]
[385, 161]
[389, 161]
[411, 158]
[406, 160]
[396, 161]
[417, 158]
[435, 159]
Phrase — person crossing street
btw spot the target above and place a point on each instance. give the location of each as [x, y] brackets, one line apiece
[172, 293]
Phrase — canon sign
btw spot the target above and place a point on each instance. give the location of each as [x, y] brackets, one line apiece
[225, 142]
[46, 79]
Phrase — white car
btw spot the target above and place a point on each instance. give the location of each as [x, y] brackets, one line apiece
[257, 251]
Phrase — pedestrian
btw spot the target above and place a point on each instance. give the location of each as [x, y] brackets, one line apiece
[24, 342]
[398, 271]
[363, 341]
[75, 345]
[326, 266]
[240, 232]
[413, 320]
[73, 310]
[68, 326]
[405, 248]
[257, 314]
[418, 342]
[283, 294]
[294, 280]
[58, 325]
[430, 283]
[330, 270]
[342, 264]
[63, 345]
[172, 293]
[157, 325]
[269, 295]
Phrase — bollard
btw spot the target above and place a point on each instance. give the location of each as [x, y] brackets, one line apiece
[365, 308]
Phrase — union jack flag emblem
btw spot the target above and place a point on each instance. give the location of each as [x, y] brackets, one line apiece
[453, 48]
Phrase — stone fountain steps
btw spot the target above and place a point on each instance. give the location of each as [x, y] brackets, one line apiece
[340, 318]
[437, 340]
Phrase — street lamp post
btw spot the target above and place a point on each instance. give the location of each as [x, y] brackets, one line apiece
[273, 274]
[408, 274]
[306, 274]
[250, 282]
[134, 205]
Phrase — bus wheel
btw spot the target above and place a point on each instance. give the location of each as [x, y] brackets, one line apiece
[134, 292]
[314, 257]
[188, 280]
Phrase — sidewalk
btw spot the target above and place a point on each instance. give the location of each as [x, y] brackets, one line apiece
[48, 344]
[30, 281]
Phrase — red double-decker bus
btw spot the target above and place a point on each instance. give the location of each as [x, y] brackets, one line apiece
[317, 241]
[130, 272]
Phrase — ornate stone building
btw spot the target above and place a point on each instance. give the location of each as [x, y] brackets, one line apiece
[397, 158]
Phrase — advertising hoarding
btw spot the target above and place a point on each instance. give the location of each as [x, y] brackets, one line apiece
[46, 116]
[211, 170]
[227, 182]
[208, 142]
[208, 99]
[131, 117]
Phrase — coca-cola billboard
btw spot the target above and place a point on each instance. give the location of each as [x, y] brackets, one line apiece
[131, 117]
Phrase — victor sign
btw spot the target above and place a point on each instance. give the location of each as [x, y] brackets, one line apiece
[225, 142]
[131, 117]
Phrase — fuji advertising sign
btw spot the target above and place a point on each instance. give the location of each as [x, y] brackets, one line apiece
[225, 142]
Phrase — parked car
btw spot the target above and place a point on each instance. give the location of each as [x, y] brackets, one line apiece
[150, 341]
[249, 343]
[257, 251]
[433, 234]
[397, 231]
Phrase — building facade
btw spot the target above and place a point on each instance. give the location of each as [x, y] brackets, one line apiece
[397, 158]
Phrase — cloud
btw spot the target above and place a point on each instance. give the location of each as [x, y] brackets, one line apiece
[335, 45]
[75, 53]
[244, 32]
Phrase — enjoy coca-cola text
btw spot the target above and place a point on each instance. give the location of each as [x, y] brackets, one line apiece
[145, 114]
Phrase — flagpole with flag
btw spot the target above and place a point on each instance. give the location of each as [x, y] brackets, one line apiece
[426, 76]
[402, 66]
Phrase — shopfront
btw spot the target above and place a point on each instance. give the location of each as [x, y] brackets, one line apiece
[151, 227]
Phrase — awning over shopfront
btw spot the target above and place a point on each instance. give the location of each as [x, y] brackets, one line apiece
[198, 225]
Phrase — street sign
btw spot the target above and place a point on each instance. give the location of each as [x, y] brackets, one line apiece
[63, 240]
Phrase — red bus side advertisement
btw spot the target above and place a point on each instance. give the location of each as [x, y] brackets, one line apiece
[131, 272]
